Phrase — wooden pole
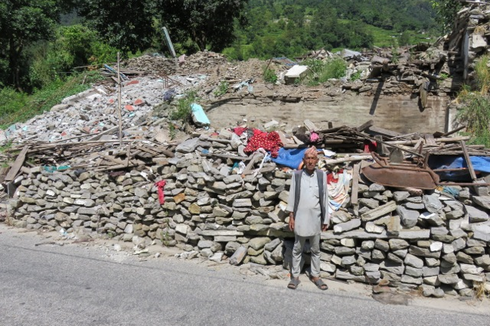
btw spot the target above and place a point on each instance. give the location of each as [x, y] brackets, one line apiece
[468, 161]
[119, 101]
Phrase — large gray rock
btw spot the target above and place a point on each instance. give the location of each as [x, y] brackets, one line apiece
[482, 201]
[397, 244]
[347, 226]
[258, 243]
[448, 278]
[476, 215]
[414, 261]
[408, 217]
[432, 203]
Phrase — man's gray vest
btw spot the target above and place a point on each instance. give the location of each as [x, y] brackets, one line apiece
[321, 189]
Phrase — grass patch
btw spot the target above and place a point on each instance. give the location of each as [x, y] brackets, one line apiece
[269, 75]
[385, 38]
[321, 71]
[382, 38]
[222, 88]
[476, 115]
[5, 146]
[475, 100]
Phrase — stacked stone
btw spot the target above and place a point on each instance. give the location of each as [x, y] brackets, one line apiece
[212, 208]
[431, 241]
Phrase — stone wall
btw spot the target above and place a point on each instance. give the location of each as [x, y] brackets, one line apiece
[399, 112]
[438, 241]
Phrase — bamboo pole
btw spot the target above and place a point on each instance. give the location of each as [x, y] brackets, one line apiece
[119, 101]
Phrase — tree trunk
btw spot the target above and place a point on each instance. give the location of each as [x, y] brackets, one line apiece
[15, 51]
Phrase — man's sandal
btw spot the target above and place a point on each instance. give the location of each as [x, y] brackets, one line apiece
[319, 284]
[293, 284]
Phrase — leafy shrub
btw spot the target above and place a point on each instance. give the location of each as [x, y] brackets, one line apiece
[102, 53]
[48, 65]
[356, 76]
[476, 116]
[321, 71]
[476, 105]
[11, 102]
[269, 75]
[222, 88]
[183, 110]
[75, 46]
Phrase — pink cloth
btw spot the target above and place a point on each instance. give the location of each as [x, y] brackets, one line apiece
[161, 195]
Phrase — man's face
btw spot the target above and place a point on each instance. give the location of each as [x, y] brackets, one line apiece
[310, 162]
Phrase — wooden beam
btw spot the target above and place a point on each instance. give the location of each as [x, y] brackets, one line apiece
[381, 131]
[429, 140]
[19, 161]
[365, 126]
[468, 161]
[355, 184]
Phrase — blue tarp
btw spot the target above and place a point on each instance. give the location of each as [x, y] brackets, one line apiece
[290, 157]
[479, 163]
[285, 61]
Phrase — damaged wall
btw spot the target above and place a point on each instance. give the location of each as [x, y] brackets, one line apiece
[401, 113]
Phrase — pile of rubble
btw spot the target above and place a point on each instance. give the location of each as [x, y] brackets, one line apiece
[99, 165]
[232, 206]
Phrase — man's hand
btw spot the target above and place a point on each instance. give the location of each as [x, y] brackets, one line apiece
[324, 227]
[291, 222]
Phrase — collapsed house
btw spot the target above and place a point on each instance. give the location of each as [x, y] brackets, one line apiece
[408, 209]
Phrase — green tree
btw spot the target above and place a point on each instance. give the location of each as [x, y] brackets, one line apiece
[23, 23]
[404, 38]
[75, 46]
[208, 23]
[127, 25]
[446, 11]
[325, 28]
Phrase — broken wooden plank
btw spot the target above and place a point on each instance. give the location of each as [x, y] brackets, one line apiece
[255, 158]
[365, 125]
[356, 157]
[128, 154]
[148, 150]
[418, 144]
[381, 131]
[439, 134]
[429, 140]
[19, 161]
[114, 160]
[310, 125]
[238, 256]
[355, 184]
[440, 140]
[468, 161]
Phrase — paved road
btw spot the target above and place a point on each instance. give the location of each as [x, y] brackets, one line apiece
[78, 284]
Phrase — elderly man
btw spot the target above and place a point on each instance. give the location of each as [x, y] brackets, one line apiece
[309, 215]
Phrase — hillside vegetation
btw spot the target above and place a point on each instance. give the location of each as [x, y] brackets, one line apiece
[46, 44]
[292, 27]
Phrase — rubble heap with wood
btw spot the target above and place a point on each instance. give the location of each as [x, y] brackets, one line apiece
[398, 216]
[212, 200]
